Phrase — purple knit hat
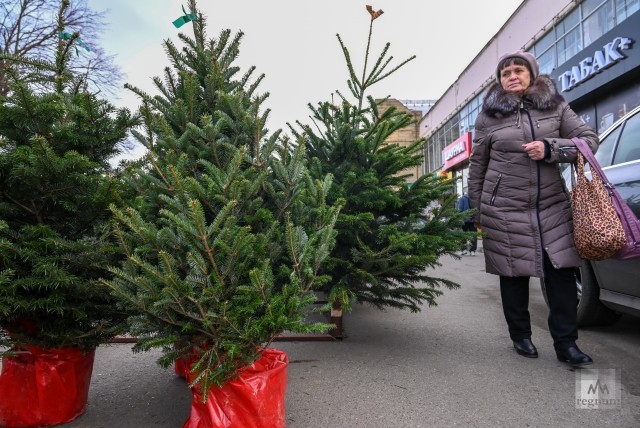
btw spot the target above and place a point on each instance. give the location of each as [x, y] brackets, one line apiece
[534, 67]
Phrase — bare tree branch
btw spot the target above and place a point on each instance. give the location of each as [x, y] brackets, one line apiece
[28, 28]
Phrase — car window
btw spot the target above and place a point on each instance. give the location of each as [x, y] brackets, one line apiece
[629, 192]
[629, 145]
[603, 155]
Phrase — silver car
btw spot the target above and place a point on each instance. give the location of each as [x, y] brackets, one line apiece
[609, 287]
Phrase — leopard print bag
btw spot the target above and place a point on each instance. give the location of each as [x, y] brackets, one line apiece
[597, 229]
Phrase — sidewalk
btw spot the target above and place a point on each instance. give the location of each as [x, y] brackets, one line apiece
[447, 366]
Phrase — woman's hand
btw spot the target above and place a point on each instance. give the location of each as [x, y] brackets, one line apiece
[534, 149]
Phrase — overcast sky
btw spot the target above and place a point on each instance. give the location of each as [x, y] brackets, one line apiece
[294, 43]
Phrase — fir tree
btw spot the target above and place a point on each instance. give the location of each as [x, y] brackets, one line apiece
[386, 239]
[228, 231]
[55, 188]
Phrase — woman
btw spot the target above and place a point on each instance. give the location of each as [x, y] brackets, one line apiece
[523, 131]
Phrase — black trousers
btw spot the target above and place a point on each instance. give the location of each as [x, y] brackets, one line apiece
[560, 285]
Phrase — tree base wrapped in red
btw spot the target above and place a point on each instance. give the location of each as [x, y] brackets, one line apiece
[256, 399]
[44, 387]
[179, 368]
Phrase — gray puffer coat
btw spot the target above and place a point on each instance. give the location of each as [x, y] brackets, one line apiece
[524, 206]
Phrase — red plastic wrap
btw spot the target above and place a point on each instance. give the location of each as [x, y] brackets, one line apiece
[179, 368]
[44, 387]
[256, 399]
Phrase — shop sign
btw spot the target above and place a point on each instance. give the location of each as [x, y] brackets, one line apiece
[610, 54]
[457, 152]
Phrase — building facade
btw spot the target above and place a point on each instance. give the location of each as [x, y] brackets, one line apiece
[409, 134]
[589, 47]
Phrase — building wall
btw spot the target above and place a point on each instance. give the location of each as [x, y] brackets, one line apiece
[405, 136]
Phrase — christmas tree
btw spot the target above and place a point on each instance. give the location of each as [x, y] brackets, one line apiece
[228, 231]
[386, 238]
[56, 185]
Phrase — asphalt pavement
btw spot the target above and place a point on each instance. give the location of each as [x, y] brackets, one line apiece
[452, 365]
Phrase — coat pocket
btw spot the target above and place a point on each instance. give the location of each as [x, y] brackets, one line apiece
[546, 126]
[494, 192]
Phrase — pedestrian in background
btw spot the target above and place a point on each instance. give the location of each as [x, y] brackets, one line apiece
[469, 225]
[523, 131]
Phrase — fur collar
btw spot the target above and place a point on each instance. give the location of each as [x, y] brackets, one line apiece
[542, 95]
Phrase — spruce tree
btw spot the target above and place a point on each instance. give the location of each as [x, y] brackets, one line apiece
[386, 238]
[228, 231]
[56, 185]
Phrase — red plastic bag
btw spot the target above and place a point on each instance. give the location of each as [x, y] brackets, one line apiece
[44, 387]
[254, 400]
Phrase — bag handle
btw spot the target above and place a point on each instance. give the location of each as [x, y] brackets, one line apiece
[585, 150]
[577, 169]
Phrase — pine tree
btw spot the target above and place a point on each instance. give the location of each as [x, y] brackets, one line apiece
[228, 231]
[55, 189]
[386, 239]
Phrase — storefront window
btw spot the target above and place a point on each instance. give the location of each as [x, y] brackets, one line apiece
[569, 45]
[547, 62]
[598, 19]
[543, 51]
[624, 8]
[612, 107]
[544, 43]
[589, 6]
[568, 23]
[432, 152]
[452, 130]
[568, 35]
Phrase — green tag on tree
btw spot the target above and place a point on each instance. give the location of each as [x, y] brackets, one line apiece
[187, 17]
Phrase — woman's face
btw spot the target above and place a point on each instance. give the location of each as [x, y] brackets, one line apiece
[515, 78]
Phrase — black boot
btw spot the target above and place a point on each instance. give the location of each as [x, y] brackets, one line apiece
[525, 348]
[573, 355]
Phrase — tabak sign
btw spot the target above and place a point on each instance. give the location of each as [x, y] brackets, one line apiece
[457, 152]
[610, 54]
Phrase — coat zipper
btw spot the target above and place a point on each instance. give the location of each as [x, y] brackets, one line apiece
[533, 138]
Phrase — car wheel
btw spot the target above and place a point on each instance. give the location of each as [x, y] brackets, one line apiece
[591, 311]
